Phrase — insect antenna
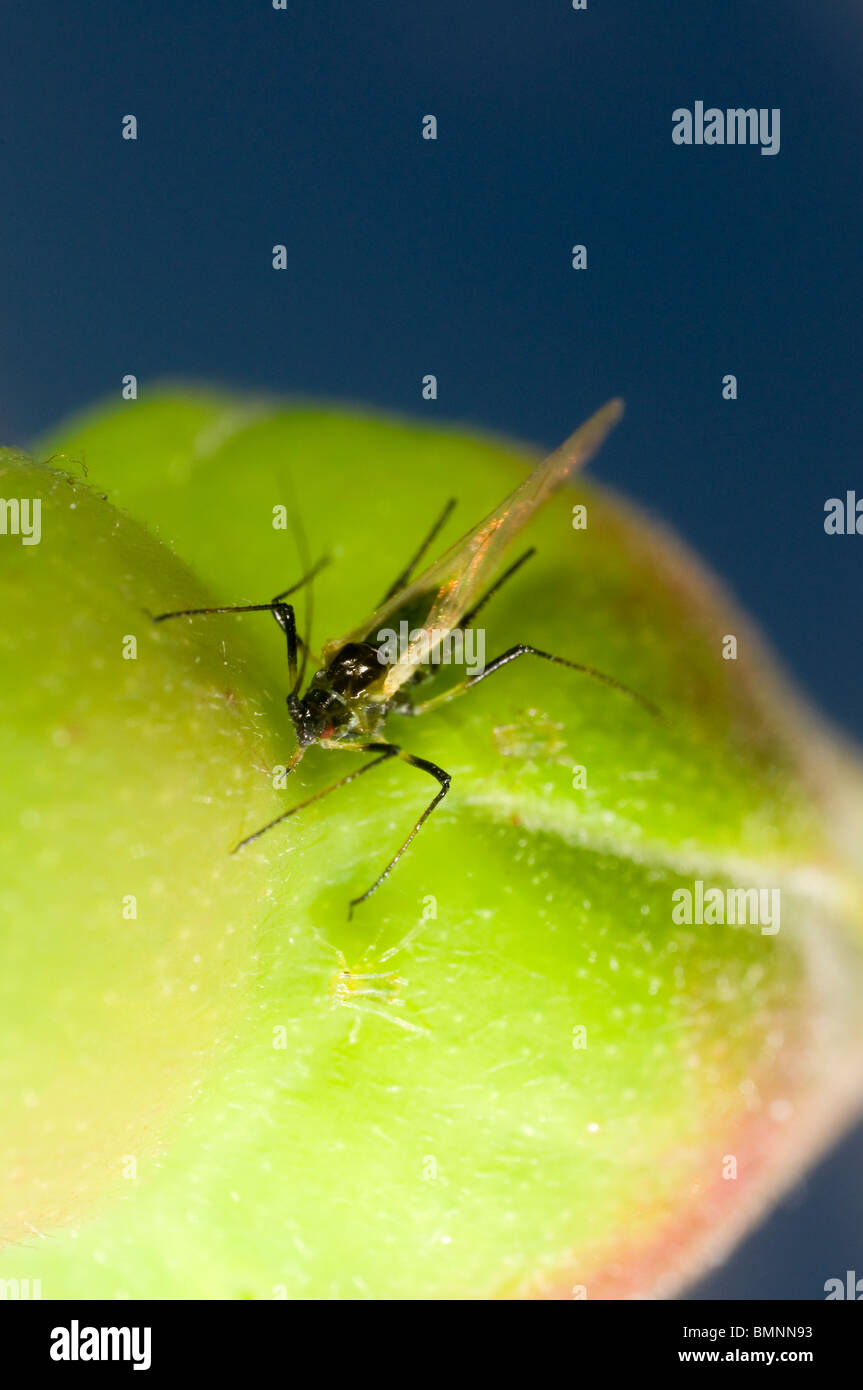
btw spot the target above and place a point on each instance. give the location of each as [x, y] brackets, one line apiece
[302, 543]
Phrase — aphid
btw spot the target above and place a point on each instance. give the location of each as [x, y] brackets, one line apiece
[353, 987]
[348, 984]
[356, 686]
[366, 987]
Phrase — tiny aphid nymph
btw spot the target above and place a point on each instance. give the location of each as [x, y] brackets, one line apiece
[356, 687]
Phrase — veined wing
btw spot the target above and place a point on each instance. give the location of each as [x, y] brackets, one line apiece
[452, 583]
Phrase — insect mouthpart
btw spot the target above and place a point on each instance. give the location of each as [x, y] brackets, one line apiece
[318, 715]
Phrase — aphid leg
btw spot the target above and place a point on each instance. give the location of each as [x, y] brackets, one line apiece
[524, 650]
[325, 791]
[204, 612]
[243, 607]
[402, 945]
[286, 619]
[282, 612]
[409, 569]
[391, 1018]
[433, 771]
[469, 616]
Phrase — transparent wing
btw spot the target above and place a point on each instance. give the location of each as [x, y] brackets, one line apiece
[454, 581]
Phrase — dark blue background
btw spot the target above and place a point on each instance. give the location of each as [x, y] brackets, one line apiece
[302, 126]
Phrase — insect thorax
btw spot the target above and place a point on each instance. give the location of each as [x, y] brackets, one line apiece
[339, 701]
[353, 669]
